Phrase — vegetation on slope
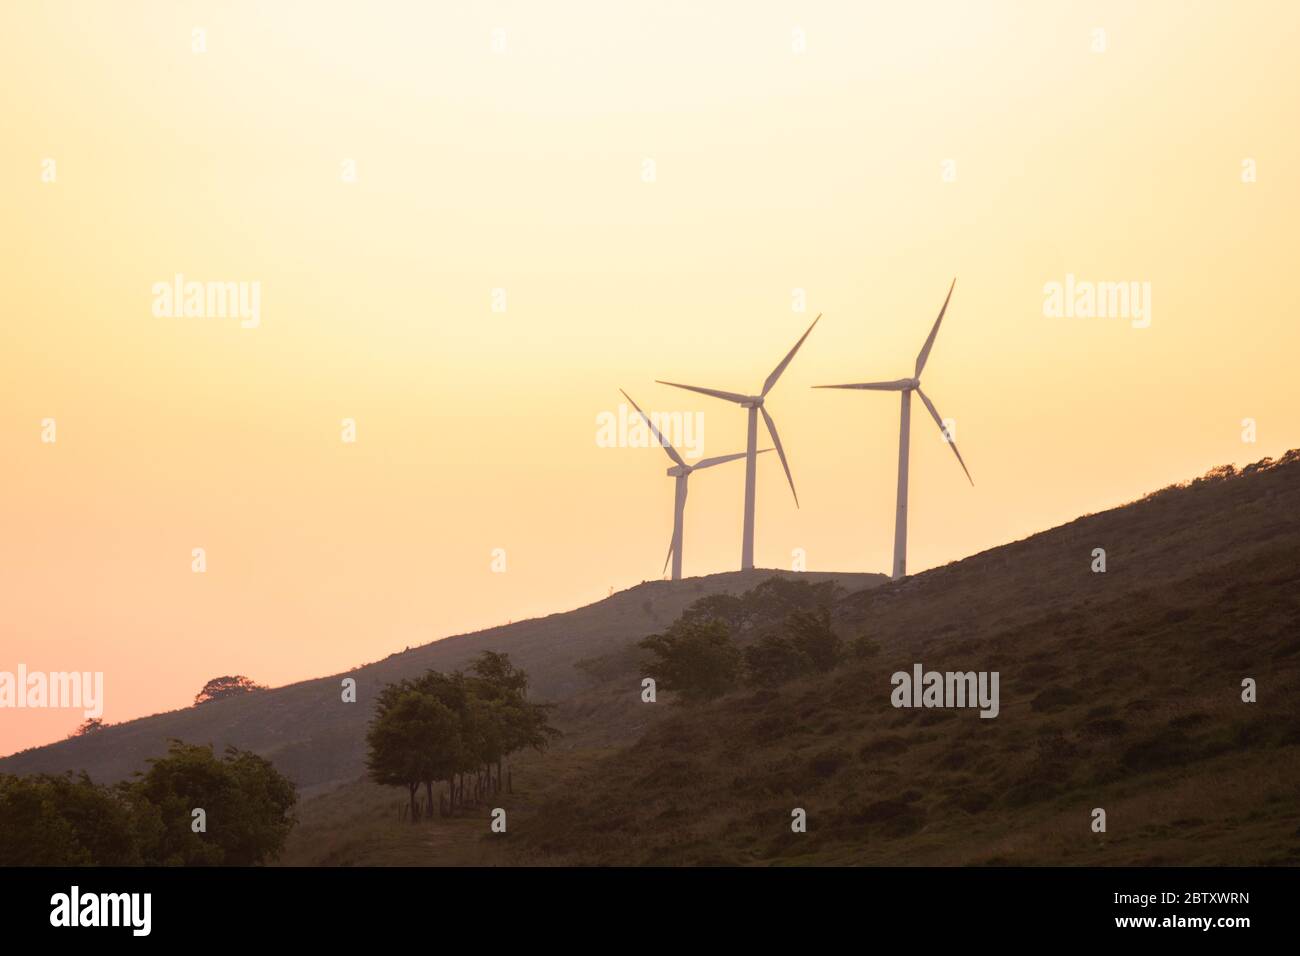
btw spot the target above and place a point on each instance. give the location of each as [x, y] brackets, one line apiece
[161, 818]
[318, 740]
[445, 727]
[1120, 690]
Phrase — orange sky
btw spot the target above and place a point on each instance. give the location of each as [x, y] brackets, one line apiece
[521, 168]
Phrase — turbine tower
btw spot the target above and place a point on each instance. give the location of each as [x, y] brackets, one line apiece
[681, 471]
[907, 386]
[754, 403]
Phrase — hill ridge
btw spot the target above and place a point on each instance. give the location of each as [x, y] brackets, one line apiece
[328, 746]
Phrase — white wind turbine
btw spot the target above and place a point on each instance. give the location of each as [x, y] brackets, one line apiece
[681, 471]
[755, 405]
[907, 386]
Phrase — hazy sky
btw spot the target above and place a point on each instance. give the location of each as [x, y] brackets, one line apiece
[865, 154]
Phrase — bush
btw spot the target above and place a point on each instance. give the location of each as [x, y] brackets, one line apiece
[695, 658]
[247, 804]
[67, 820]
[774, 660]
[863, 647]
[810, 632]
[230, 686]
[48, 820]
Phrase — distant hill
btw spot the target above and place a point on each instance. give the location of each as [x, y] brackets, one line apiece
[318, 741]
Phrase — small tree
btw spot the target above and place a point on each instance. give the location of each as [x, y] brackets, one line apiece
[444, 726]
[407, 724]
[458, 752]
[88, 726]
[247, 803]
[511, 722]
[229, 686]
[696, 658]
[33, 828]
[863, 647]
[774, 660]
[810, 631]
[48, 820]
[496, 670]
[716, 607]
[259, 820]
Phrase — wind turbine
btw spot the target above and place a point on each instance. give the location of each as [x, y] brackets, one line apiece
[907, 386]
[681, 471]
[754, 403]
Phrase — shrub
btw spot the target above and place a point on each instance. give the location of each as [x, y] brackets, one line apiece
[774, 660]
[695, 658]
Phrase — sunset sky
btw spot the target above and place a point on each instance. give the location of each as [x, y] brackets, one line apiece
[865, 154]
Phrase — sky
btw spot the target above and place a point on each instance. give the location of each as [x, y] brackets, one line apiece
[468, 226]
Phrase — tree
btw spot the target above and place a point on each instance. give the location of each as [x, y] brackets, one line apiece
[414, 738]
[445, 726]
[230, 686]
[260, 819]
[112, 828]
[810, 631]
[716, 607]
[461, 751]
[512, 723]
[773, 660]
[496, 670]
[33, 830]
[88, 726]
[769, 600]
[248, 806]
[863, 647]
[696, 658]
[50, 820]
[774, 597]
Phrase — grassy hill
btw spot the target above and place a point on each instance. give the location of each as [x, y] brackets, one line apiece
[319, 741]
[1119, 690]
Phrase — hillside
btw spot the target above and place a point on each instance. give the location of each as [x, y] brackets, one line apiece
[318, 741]
[1119, 690]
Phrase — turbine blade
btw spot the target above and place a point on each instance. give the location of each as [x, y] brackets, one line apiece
[929, 343]
[934, 413]
[776, 372]
[895, 386]
[780, 452]
[716, 393]
[672, 543]
[710, 462]
[672, 452]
